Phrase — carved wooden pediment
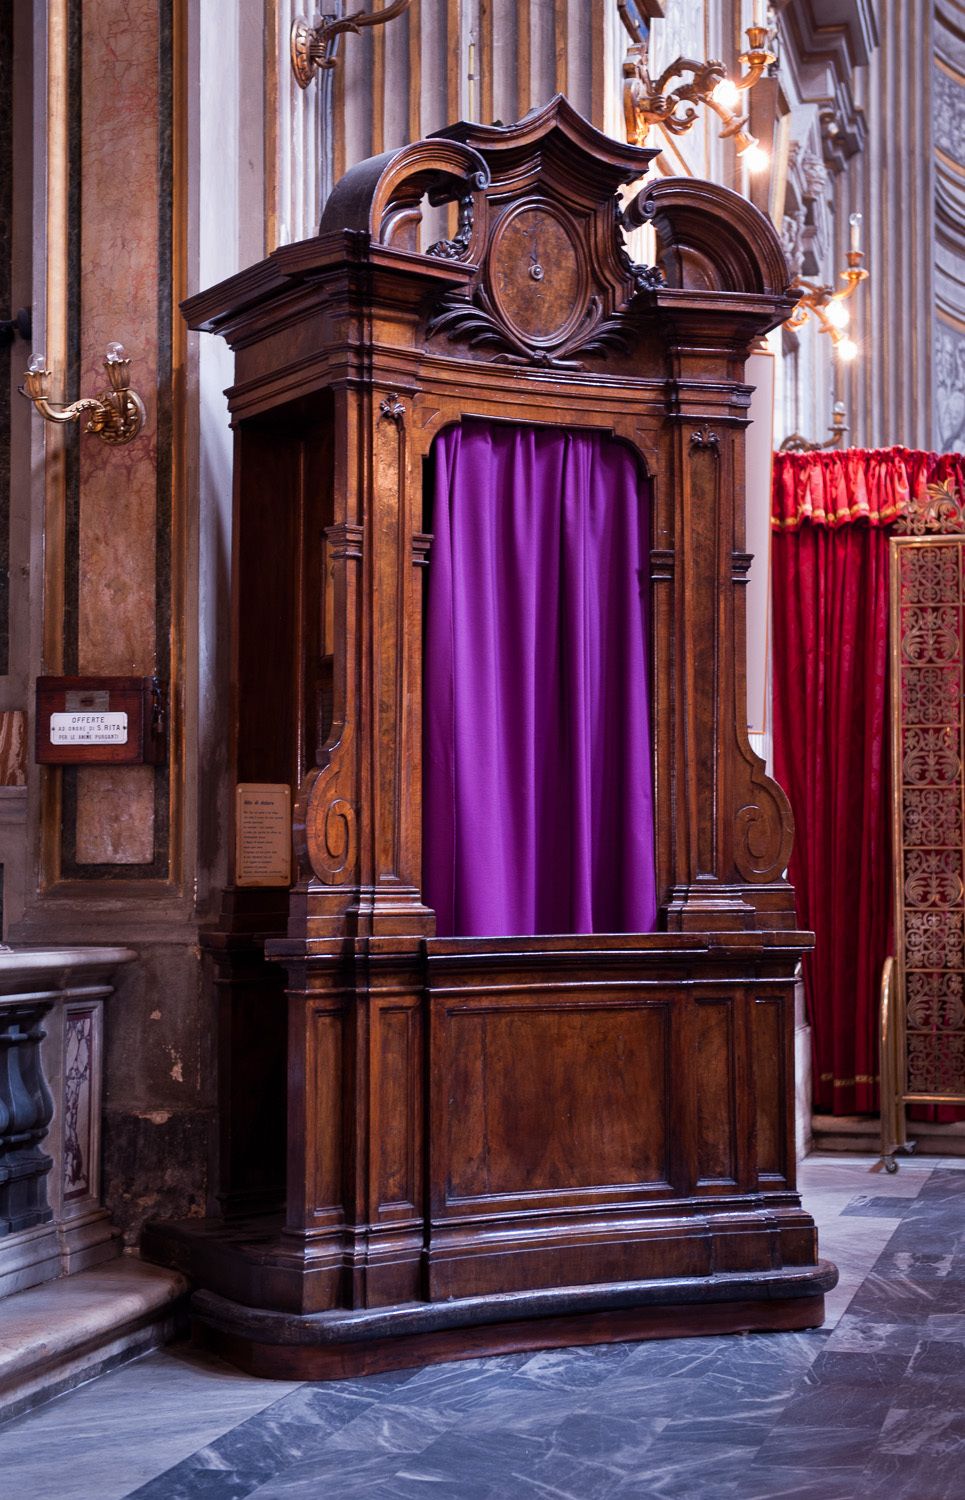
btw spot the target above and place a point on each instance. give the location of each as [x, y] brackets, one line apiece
[538, 221]
[554, 278]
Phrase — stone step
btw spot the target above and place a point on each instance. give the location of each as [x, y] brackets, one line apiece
[55, 1336]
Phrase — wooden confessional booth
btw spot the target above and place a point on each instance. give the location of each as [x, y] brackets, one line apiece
[493, 1143]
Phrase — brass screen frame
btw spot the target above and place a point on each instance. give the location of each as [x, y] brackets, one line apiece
[940, 858]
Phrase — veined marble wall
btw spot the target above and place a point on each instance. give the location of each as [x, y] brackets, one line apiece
[107, 567]
[114, 623]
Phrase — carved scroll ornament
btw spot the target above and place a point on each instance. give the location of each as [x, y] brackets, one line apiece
[937, 511]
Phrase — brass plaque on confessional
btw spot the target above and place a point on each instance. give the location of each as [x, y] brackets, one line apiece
[263, 841]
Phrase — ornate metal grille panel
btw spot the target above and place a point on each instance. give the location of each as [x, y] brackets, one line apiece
[927, 681]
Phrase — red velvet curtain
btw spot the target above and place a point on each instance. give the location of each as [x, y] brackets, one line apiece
[831, 515]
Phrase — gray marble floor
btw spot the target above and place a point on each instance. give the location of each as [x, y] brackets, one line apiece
[873, 1404]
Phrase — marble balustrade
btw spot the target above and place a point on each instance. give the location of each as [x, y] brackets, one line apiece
[52, 1220]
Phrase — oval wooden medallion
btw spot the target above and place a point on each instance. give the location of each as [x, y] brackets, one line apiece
[537, 274]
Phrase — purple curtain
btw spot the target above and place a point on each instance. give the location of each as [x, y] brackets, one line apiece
[538, 788]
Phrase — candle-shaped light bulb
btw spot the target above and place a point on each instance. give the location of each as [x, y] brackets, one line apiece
[753, 155]
[855, 222]
[726, 94]
[847, 350]
[837, 314]
[115, 352]
[758, 12]
[38, 364]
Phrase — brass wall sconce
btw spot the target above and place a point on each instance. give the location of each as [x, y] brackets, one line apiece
[797, 443]
[827, 305]
[646, 101]
[314, 47]
[116, 416]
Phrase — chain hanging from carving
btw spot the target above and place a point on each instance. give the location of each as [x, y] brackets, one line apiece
[928, 680]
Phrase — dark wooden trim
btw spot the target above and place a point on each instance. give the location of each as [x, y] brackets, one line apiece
[273, 1353]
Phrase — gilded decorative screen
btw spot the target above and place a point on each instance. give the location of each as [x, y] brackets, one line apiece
[928, 680]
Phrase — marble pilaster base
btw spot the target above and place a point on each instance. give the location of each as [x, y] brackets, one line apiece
[65, 989]
[51, 1250]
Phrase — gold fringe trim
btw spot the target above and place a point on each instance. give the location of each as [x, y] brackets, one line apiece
[846, 1083]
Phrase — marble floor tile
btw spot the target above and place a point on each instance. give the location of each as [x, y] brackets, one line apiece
[872, 1405]
[680, 1471]
[575, 1369]
[606, 1434]
[868, 1206]
[758, 1482]
[932, 1430]
[834, 1403]
[855, 1333]
[896, 1476]
[105, 1439]
[867, 1368]
[948, 1327]
[820, 1446]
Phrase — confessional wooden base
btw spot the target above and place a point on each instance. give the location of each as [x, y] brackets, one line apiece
[272, 1348]
[601, 1129]
[459, 1145]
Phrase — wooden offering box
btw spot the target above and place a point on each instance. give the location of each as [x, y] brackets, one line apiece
[99, 721]
[441, 1146]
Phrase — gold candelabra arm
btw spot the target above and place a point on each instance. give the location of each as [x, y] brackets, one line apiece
[314, 47]
[116, 416]
[756, 59]
[798, 443]
[648, 101]
[826, 304]
[853, 276]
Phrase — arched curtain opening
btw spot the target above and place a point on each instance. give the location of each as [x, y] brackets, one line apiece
[538, 782]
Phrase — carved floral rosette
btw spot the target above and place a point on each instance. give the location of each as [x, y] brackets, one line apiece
[928, 679]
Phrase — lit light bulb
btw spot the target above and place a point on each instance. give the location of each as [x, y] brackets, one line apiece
[755, 158]
[726, 94]
[115, 353]
[847, 350]
[837, 314]
[38, 364]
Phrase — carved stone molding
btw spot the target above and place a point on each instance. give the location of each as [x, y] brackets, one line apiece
[807, 228]
[822, 43]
